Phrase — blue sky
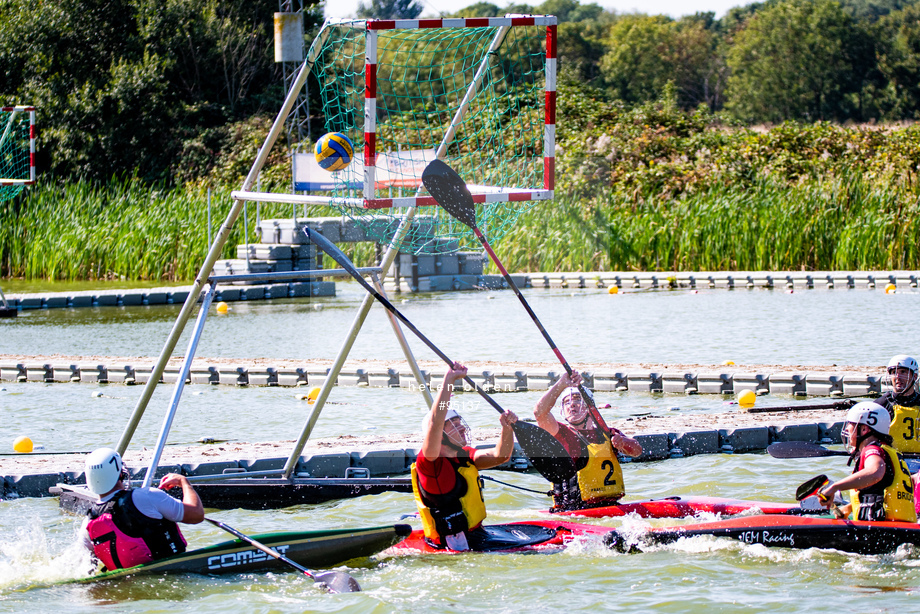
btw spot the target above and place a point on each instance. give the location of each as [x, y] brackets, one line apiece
[674, 8]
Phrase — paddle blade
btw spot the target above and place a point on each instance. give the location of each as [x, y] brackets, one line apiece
[800, 449]
[811, 487]
[449, 189]
[544, 451]
[337, 582]
[334, 252]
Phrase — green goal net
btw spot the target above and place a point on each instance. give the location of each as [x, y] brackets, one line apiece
[17, 150]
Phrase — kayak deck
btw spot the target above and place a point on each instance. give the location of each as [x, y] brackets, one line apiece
[684, 507]
[312, 549]
[560, 534]
[859, 537]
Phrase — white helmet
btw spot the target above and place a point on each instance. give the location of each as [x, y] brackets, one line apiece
[903, 361]
[574, 413]
[458, 434]
[103, 470]
[872, 415]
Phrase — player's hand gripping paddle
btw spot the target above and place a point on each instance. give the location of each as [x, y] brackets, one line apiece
[812, 487]
[449, 189]
[334, 581]
[548, 456]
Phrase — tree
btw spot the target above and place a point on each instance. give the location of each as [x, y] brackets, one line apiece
[899, 63]
[798, 59]
[390, 9]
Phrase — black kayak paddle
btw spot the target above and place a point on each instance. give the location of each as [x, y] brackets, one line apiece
[334, 581]
[801, 449]
[548, 456]
[449, 189]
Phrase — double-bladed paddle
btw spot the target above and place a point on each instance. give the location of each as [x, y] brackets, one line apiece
[334, 581]
[801, 449]
[449, 189]
[548, 456]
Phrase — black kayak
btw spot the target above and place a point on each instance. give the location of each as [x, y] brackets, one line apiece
[857, 536]
[313, 549]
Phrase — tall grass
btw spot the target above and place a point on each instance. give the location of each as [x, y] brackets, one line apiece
[123, 229]
[848, 222]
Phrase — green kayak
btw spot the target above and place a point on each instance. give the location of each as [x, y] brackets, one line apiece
[313, 549]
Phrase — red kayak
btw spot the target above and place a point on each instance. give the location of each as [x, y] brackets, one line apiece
[526, 536]
[860, 537]
[683, 507]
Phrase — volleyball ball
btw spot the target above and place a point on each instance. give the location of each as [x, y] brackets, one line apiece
[334, 151]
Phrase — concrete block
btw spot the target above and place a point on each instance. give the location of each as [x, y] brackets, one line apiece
[483, 379]
[63, 373]
[829, 432]
[655, 446]
[269, 231]
[509, 382]
[541, 381]
[442, 283]
[258, 251]
[644, 382]
[30, 302]
[471, 263]
[744, 439]
[253, 293]
[714, 383]
[447, 264]
[205, 375]
[358, 377]
[139, 473]
[758, 382]
[795, 432]
[684, 383]
[177, 297]
[54, 302]
[39, 373]
[466, 282]
[352, 232]
[695, 442]
[12, 372]
[263, 464]
[317, 377]
[274, 291]
[83, 300]
[788, 383]
[228, 295]
[211, 468]
[407, 379]
[609, 381]
[822, 384]
[155, 298]
[34, 484]
[122, 374]
[93, 373]
[383, 379]
[329, 227]
[862, 385]
[324, 465]
[234, 376]
[131, 298]
[106, 299]
[292, 377]
[142, 374]
[381, 462]
[262, 376]
[171, 376]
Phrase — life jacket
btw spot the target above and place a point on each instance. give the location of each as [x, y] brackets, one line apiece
[123, 536]
[457, 511]
[892, 498]
[905, 428]
[599, 481]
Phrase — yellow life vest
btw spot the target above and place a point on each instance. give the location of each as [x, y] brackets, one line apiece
[905, 429]
[898, 500]
[602, 477]
[458, 511]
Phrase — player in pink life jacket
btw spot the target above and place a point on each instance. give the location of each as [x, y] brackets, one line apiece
[128, 527]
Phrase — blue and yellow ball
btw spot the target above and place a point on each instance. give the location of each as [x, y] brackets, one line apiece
[334, 151]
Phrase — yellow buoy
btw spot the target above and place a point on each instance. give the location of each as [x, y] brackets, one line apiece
[613, 290]
[312, 395]
[747, 398]
[890, 288]
[222, 307]
[728, 363]
[22, 444]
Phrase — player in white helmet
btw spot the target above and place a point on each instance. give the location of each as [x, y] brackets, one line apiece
[128, 527]
[599, 481]
[880, 486]
[445, 476]
[903, 405]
